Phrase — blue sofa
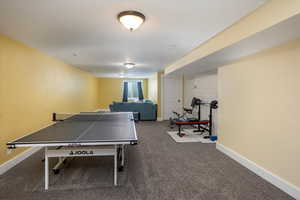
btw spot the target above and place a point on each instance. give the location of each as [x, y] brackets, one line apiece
[147, 110]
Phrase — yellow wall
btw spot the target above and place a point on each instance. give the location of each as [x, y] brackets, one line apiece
[273, 12]
[259, 109]
[34, 85]
[111, 90]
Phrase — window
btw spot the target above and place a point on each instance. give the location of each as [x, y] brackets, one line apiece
[133, 91]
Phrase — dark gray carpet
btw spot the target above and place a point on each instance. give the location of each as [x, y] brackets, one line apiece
[157, 168]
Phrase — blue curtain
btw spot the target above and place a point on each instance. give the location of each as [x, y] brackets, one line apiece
[140, 91]
[125, 92]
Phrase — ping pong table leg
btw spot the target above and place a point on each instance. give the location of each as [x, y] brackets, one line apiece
[116, 166]
[61, 160]
[46, 169]
[123, 149]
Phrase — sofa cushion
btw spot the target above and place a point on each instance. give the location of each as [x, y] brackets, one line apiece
[147, 101]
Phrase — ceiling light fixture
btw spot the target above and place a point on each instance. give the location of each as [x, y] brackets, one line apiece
[129, 65]
[131, 19]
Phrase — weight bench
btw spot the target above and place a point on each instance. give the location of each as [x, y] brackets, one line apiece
[186, 123]
[203, 125]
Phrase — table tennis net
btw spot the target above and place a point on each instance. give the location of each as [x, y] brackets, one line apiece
[92, 116]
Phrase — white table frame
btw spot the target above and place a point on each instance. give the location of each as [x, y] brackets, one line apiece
[82, 151]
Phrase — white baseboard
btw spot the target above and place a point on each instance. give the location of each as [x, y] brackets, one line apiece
[282, 184]
[17, 159]
[159, 119]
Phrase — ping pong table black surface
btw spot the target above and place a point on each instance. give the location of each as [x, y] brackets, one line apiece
[84, 128]
[83, 134]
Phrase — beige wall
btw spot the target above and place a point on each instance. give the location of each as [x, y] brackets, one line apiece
[34, 85]
[111, 90]
[154, 91]
[159, 85]
[153, 88]
[259, 109]
[273, 12]
[203, 86]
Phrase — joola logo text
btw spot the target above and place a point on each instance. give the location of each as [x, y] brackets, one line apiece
[81, 152]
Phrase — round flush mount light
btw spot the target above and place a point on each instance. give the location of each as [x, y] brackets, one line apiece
[131, 19]
[122, 75]
[129, 65]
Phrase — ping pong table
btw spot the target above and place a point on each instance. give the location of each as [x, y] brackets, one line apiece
[83, 134]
